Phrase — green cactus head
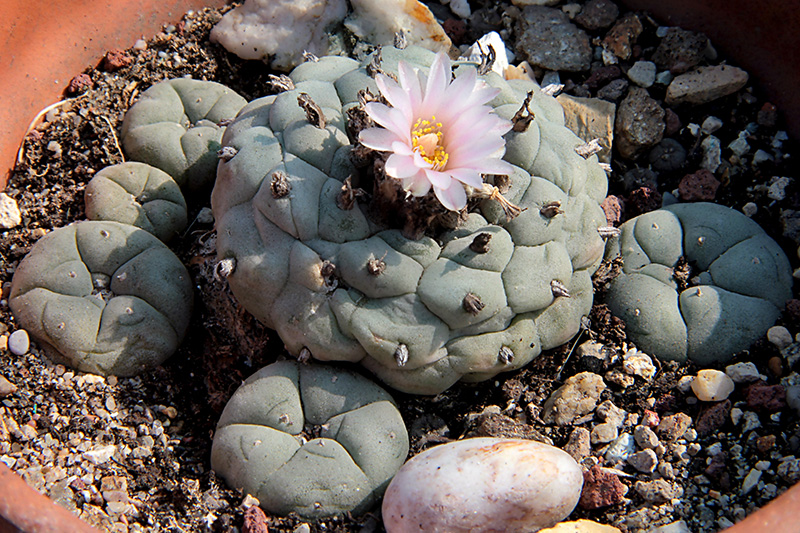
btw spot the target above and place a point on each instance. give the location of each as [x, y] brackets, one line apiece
[740, 281]
[336, 273]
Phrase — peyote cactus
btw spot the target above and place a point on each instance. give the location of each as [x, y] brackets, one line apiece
[310, 439]
[739, 285]
[103, 297]
[137, 194]
[421, 311]
[175, 126]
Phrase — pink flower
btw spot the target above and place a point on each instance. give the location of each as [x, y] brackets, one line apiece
[441, 134]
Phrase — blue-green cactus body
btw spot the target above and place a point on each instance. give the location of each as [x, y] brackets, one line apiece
[741, 283]
[407, 323]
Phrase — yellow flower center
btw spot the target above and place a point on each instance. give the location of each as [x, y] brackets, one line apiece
[426, 139]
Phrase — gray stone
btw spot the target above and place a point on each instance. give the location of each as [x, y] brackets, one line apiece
[680, 50]
[590, 118]
[712, 154]
[597, 14]
[640, 123]
[705, 84]
[604, 433]
[658, 490]
[613, 90]
[750, 481]
[549, 40]
[645, 437]
[644, 461]
[10, 216]
[793, 398]
[675, 527]
[643, 73]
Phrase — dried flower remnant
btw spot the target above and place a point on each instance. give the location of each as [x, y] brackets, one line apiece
[279, 186]
[313, 112]
[524, 116]
[439, 133]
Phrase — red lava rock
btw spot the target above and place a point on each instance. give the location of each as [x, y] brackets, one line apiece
[680, 50]
[767, 115]
[456, 29]
[768, 397]
[603, 75]
[115, 59]
[650, 419]
[642, 200]
[698, 187]
[255, 521]
[78, 85]
[672, 122]
[614, 208]
[601, 489]
[665, 402]
[712, 418]
[793, 310]
[765, 443]
[621, 38]
[717, 470]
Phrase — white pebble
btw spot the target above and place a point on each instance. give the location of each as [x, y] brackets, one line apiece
[639, 364]
[481, 484]
[712, 154]
[460, 8]
[712, 385]
[777, 187]
[736, 416]
[19, 343]
[779, 336]
[751, 421]
[140, 44]
[749, 209]
[685, 384]
[693, 128]
[643, 73]
[711, 124]
[743, 372]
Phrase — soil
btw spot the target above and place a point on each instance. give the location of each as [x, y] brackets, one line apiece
[171, 412]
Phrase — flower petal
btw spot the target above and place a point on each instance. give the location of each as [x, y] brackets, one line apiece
[417, 185]
[468, 176]
[395, 95]
[453, 198]
[438, 80]
[377, 139]
[438, 179]
[409, 80]
[401, 166]
[389, 118]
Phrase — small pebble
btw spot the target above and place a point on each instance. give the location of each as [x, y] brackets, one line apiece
[639, 364]
[749, 209]
[779, 336]
[743, 372]
[604, 433]
[140, 44]
[645, 437]
[644, 461]
[712, 385]
[750, 481]
[623, 447]
[710, 125]
[643, 73]
[6, 387]
[657, 490]
[19, 343]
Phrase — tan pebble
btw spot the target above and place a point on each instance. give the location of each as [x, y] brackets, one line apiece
[3, 342]
[775, 366]
[581, 526]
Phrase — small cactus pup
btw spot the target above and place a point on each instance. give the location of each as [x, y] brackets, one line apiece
[699, 281]
[176, 125]
[455, 240]
[310, 439]
[103, 297]
[137, 194]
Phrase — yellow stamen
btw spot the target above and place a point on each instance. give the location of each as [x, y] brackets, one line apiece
[426, 139]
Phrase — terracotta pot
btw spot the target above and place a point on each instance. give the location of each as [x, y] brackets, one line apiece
[44, 44]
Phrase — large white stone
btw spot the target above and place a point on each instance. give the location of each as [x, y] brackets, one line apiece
[280, 30]
[483, 484]
[377, 21]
